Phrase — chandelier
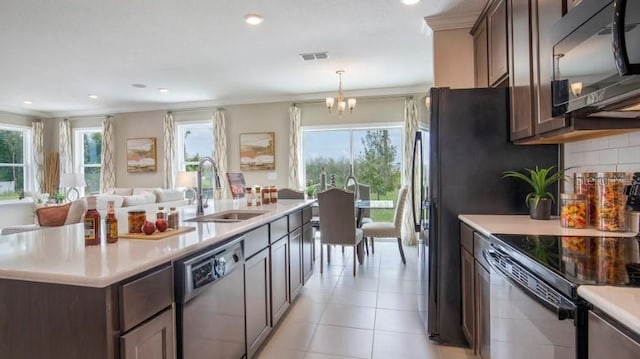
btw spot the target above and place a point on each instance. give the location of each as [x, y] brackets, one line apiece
[340, 100]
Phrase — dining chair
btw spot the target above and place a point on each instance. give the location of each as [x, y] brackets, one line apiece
[338, 226]
[364, 193]
[288, 193]
[388, 229]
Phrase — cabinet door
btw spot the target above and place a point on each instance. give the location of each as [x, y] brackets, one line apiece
[480, 55]
[483, 312]
[151, 340]
[545, 13]
[279, 279]
[257, 306]
[468, 295]
[520, 74]
[307, 251]
[295, 263]
[497, 26]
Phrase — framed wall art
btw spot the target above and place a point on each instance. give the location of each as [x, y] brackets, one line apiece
[258, 151]
[141, 155]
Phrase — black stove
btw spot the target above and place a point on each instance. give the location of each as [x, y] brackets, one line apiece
[565, 262]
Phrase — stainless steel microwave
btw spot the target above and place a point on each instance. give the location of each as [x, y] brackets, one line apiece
[596, 60]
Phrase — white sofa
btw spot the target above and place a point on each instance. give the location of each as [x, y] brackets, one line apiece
[138, 199]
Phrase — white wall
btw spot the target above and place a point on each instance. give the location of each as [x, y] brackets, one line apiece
[13, 119]
[620, 153]
[453, 58]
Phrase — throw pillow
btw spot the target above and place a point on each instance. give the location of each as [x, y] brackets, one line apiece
[123, 191]
[52, 216]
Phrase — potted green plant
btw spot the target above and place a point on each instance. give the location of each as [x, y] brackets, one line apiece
[540, 199]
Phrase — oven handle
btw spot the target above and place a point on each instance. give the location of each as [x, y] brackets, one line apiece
[490, 255]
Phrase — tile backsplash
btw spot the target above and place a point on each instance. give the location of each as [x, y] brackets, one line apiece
[619, 153]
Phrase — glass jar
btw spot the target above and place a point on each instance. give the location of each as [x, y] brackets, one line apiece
[574, 210]
[249, 196]
[274, 194]
[610, 201]
[585, 183]
[266, 195]
[135, 221]
[258, 196]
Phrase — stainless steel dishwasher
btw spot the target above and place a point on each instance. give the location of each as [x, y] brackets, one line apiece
[210, 304]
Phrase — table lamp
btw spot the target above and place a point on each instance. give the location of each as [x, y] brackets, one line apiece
[187, 180]
[72, 181]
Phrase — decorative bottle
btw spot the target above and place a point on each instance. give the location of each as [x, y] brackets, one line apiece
[323, 180]
[91, 223]
[111, 223]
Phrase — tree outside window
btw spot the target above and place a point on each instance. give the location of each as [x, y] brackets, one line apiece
[88, 157]
[12, 162]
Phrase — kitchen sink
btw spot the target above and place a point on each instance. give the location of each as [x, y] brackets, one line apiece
[229, 216]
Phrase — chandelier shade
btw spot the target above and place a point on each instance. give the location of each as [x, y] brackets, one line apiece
[342, 103]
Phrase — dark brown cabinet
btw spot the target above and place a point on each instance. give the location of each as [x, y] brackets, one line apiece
[497, 42]
[295, 263]
[151, 340]
[467, 271]
[480, 45]
[307, 251]
[257, 300]
[531, 66]
[279, 279]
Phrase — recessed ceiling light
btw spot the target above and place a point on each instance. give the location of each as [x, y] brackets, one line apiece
[27, 102]
[163, 90]
[139, 86]
[253, 19]
[409, 2]
[93, 97]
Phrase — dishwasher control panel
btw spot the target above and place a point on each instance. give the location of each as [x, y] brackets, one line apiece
[203, 269]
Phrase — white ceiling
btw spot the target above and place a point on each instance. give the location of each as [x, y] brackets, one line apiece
[56, 53]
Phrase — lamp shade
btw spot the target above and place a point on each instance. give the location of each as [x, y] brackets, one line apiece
[72, 180]
[186, 179]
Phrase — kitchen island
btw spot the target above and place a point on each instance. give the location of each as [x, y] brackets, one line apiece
[618, 304]
[60, 299]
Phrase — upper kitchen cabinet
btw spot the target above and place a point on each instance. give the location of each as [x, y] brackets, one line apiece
[497, 36]
[490, 45]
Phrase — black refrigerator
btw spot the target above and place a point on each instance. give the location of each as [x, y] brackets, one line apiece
[469, 148]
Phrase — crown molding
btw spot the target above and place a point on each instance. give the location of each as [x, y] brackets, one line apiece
[462, 20]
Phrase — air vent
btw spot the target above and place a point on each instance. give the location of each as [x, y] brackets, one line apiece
[310, 56]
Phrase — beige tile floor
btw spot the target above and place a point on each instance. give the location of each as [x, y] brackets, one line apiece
[373, 315]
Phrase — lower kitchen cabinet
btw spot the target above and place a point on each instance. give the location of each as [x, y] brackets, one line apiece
[279, 279]
[307, 251]
[483, 311]
[257, 300]
[151, 340]
[295, 263]
[468, 296]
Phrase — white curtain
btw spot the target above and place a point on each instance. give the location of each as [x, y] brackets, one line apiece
[294, 148]
[66, 156]
[38, 154]
[169, 150]
[107, 163]
[410, 128]
[220, 152]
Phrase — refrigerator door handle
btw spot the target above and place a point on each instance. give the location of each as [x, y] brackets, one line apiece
[417, 145]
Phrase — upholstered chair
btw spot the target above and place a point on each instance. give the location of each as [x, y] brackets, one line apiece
[388, 229]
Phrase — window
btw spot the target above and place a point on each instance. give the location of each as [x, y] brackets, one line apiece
[194, 140]
[88, 157]
[15, 161]
[375, 153]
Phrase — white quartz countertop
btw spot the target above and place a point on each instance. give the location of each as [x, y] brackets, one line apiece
[58, 255]
[621, 303]
[523, 224]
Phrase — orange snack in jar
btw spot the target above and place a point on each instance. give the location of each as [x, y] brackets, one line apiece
[585, 183]
[611, 201]
[573, 211]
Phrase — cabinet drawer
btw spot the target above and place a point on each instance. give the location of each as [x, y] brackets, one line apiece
[307, 213]
[295, 220]
[466, 237]
[256, 240]
[153, 340]
[278, 229]
[142, 298]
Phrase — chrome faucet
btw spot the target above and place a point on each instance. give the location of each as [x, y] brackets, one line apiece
[199, 196]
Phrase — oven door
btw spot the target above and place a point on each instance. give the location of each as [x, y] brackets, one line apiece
[527, 318]
[596, 57]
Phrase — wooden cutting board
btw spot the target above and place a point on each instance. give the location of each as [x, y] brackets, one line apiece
[157, 235]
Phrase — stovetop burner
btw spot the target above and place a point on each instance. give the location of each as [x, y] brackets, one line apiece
[583, 259]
